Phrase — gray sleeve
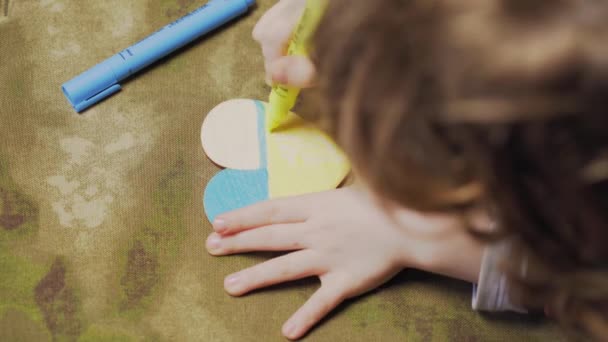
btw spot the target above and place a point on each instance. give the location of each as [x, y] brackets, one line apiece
[491, 293]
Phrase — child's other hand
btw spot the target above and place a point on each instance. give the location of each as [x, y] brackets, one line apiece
[273, 32]
[341, 236]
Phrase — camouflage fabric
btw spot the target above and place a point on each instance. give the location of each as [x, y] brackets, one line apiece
[102, 228]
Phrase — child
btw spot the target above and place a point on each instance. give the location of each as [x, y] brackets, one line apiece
[478, 132]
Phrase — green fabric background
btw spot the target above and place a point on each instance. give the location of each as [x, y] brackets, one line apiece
[101, 225]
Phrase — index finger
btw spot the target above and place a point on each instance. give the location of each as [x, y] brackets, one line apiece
[277, 211]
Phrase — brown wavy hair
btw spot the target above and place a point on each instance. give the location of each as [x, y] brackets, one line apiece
[501, 105]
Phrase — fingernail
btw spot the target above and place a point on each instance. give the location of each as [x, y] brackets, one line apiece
[279, 78]
[289, 329]
[231, 281]
[219, 225]
[213, 242]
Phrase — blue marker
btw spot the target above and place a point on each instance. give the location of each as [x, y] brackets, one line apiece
[102, 80]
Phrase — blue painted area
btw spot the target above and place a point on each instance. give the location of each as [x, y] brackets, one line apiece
[234, 189]
[262, 134]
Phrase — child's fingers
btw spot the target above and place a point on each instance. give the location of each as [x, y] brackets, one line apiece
[318, 306]
[296, 71]
[262, 28]
[271, 53]
[272, 22]
[274, 30]
[278, 23]
[278, 211]
[274, 238]
[289, 267]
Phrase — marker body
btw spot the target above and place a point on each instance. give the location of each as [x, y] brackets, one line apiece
[103, 79]
[283, 98]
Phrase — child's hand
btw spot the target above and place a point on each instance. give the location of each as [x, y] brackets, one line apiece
[273, 32]
[341, 236]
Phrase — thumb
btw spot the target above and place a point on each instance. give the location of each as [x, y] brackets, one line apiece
[295, 71]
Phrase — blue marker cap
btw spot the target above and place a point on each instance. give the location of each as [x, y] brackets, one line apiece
[103, 79]
[91, 87]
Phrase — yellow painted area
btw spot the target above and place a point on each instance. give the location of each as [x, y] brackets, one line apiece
[302, 159]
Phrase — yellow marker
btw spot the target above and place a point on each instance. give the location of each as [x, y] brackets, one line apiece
[283, 98]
